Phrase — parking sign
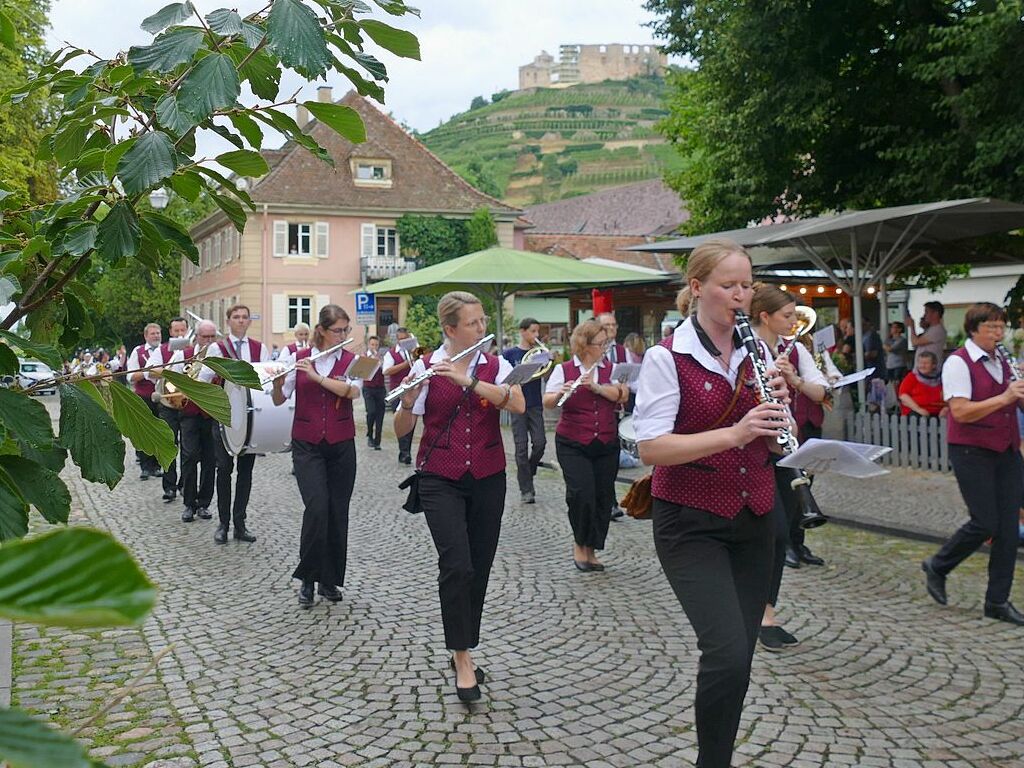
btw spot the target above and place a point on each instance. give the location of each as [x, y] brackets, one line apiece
[366, 309]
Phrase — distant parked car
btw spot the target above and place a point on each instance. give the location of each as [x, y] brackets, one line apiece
[31, 372]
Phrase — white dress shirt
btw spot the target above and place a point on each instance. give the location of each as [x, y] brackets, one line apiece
[441, 353]
[806, 368]
[133, 360]
[557, 377]
[208, 373]
[323, 365]
[956, 376]
[658, 396]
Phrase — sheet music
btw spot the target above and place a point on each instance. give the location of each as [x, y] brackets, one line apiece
[852, 378]
[409, 344]
[825, 338]
[843, 458]
[625, 373]
[522, 373]
[362, 368]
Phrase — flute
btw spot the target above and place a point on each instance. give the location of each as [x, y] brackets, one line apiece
[575, 385]
[401, 389]
[289, 368]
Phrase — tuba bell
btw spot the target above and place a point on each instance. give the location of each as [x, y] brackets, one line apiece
[537, 350]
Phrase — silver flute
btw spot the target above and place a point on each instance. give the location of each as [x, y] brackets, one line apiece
[401, 389]
[1004, 353]
[289, 368]
[575, 385]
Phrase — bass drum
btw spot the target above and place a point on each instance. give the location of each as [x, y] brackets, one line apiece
[627, 437]
[257, 425]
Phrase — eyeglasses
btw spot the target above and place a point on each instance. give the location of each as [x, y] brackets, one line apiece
[994, 326]
[481, 322]
[340, 331]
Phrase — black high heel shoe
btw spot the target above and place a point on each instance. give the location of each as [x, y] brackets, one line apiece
[480, 676]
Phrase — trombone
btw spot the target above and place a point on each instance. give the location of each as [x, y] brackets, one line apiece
[401, 389]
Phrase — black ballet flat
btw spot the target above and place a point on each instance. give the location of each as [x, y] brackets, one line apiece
[480, 676]
[468, 695]
[596, 566]
[582, 565]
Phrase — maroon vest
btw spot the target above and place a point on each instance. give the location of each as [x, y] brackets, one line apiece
[391, 359]
[228, 349]
[473, 443]
[587, 416]
[319, 414]
[998, 431]
[144, 388]
[723, 483]
[189, 408]
[620, 354]
[805, 410]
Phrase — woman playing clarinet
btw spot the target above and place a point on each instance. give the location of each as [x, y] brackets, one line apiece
[699, 422]
[323, 453]
[461, 464]
[586, 439]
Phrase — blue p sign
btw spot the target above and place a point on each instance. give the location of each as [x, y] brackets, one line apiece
[366, 309]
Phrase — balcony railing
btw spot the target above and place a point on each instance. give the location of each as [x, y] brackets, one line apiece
[385, 267]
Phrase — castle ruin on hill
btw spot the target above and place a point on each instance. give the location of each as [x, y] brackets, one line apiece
[592, 64]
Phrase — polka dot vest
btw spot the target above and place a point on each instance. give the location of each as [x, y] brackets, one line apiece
[587, 416]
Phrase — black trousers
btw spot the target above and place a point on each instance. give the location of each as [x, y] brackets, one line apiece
[243, 485]
[198, 460]
[990, 483]
[589, 472]
[326, 474]
[527, 429]
[782, 531]
[404, 442]
[146, 462]
[173, 419]
[719, 570]
[374, 399]
[464, 517]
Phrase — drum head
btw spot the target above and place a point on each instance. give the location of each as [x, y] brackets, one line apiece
[626, 430]
[236, 435]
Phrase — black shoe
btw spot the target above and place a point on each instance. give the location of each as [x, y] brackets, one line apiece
[806, 556]
[934, 582]
[582, 565]
[243, 534]
[156, 472]
[306, 595]
[529, 498]
[617, 512]
[188, 515]
[405, 458]
[369, 442]
[169, 496]
[376, 446]
[1005, 612]
[770, 639]
[480, 676]
[221, 536]
[144, 475]
[792, 558]
[596, 566]
[786, 637]
[330, 593]
[203, 513]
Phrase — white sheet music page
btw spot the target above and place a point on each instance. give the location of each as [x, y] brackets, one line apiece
[841, 457]
[625, 373]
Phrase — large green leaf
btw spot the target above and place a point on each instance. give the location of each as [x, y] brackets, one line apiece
[114, 155]
[372, 64]
[224, 21]
[344, 120]
[263, 75]
[147, 432]
[9, 364]
[25, 418]
[7, 31]
[40, 487]
[244, 162]
[172, 234]
[119, 233]
[238, 372]
[13, 513]
[147, 163]
[44, 352]
[398, 41]
[90, 434]
[295, 35]
[73, 577]
[188, 184]
[175, 13]
[29, 743]
[170, 116]
[81, 238]
[249, 128]
[252, 34]
[209, 397]
[231, 208]
[212, 85]
[168, 51]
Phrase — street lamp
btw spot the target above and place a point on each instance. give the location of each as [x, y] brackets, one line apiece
[159, 198]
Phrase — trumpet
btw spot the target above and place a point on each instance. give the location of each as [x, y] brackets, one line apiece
[576, 385]
[401, 389]
[289, 368]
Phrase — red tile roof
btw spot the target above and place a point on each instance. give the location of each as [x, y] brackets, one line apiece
[646, 209]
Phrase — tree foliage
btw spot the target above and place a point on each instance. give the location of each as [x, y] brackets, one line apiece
[481, 232]
[802, 107]
[431, 240]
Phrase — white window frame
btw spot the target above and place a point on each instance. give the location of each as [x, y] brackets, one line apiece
[371, 172]
[382, 237]
[295, 309]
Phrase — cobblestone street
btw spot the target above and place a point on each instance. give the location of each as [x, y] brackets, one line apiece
[592, 669]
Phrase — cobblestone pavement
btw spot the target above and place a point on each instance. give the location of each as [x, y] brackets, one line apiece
[590, 669]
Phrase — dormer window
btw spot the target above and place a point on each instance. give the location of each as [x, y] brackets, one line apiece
[371, 172]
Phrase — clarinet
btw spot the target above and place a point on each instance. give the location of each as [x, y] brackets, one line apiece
[810, 516]
[1003, 353]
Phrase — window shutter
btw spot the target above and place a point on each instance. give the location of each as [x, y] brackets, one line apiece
[280, 240]
[229, 244]
[321, 244]
[217, 244]
[322, 300]
[369, 240]
[279, 323]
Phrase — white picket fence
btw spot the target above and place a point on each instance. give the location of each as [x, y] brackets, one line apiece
[916, 442]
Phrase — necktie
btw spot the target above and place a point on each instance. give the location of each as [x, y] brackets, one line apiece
[238, 348]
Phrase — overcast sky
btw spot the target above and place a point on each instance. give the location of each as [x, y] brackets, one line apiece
[469, 47]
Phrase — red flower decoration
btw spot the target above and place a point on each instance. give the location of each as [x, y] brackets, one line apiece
[485, 403]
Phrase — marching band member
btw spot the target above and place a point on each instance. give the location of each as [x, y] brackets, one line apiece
[397, 363]
[586, 439]
[144, 388]
[323, 453]
[373, 396]
[177, 329]
[529, 427]
[240, 347]
[616, 353]
[461, 461]
[984, 449]
[773, 313]
[301, 332]
[699, 423]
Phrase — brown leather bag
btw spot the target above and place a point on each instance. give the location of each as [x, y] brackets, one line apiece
[638, 500]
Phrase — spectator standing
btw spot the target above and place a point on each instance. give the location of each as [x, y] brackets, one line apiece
[896, 353]
[933, 333]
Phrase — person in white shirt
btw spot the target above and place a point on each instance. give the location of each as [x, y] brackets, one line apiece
[177, 329]
[239, 346]
[144, 388]
[301, 332]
